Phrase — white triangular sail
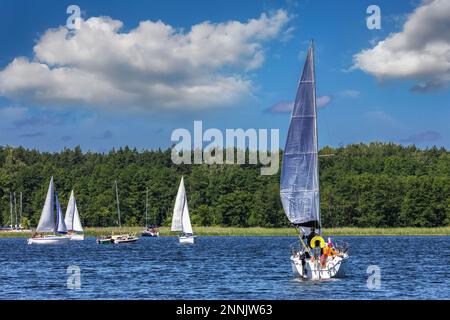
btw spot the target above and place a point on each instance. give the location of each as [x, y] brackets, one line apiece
[69, 212]
[180, 218]
[180, 202]
[72, 218]
[47, 219]
[61, 226]
[299, 174]
[185, 219]
[77, 227]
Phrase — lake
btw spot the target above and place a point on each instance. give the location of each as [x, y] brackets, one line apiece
[220, 268]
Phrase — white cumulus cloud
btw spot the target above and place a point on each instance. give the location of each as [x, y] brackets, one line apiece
[420, 51]
[151, 67]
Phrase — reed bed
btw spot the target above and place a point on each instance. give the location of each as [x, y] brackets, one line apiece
[256, 231]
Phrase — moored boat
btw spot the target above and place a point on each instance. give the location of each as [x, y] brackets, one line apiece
[151, 231]
[105, 240]
[124, 238]
[121, 238]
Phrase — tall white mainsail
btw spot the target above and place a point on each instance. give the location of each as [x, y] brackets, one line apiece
[60, 225]
[185, 220]
[47, 219]
[72, 218]
[299, 187]
[180, 218]
[76, 221]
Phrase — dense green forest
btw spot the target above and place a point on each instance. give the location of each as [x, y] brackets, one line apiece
[363, 185]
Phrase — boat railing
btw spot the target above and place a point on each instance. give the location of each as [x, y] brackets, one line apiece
[341, 246]
[296, 248]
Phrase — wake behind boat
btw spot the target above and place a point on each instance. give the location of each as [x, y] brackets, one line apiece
[299, 186]
[180, 219]
[49, 222]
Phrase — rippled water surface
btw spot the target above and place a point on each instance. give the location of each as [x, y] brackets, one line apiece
[220, 268]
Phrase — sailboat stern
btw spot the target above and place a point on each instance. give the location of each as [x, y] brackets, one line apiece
[310, 269]
[76, 237]
[186, 239]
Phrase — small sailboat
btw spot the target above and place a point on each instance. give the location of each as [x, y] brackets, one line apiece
[180, 219]
[72, 220]
[121, 238]
[299, 187]
[150, 231]
[49, 222]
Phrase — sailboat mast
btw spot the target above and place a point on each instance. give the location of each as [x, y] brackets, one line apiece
[316, 129]
[11, 208]
[146, 207]
[118, 207]
[15, 208]
[21, 208]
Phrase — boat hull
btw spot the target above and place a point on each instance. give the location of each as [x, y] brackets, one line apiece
[118, 241]
[104, 241]
[314, 270]
[76, 237]
[150, 234]
[49, 240]
[186, 240]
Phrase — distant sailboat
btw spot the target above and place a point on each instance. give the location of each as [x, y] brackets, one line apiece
[180, 219]
[299, 186]
[49, 222]
[72, 220]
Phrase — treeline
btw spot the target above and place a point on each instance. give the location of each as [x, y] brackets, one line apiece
[363, 185]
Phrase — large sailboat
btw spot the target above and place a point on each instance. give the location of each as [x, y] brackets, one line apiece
[50, 222]
[180, 219]
[299, 186]
[72, 220]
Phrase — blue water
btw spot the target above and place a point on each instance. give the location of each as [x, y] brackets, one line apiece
[220, 268]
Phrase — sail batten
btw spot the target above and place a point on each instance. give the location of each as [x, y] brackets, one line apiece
[299, 185]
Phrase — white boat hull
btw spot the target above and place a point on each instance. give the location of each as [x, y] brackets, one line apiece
[118, 241]
[150, 234]
[186, 240]
[49, 240]
[124, 239]
[76, 237]
[314, 270]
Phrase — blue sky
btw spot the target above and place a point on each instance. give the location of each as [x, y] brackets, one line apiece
[365, 101]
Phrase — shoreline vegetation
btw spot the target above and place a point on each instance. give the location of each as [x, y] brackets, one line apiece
[372, 185]
[282, 232]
